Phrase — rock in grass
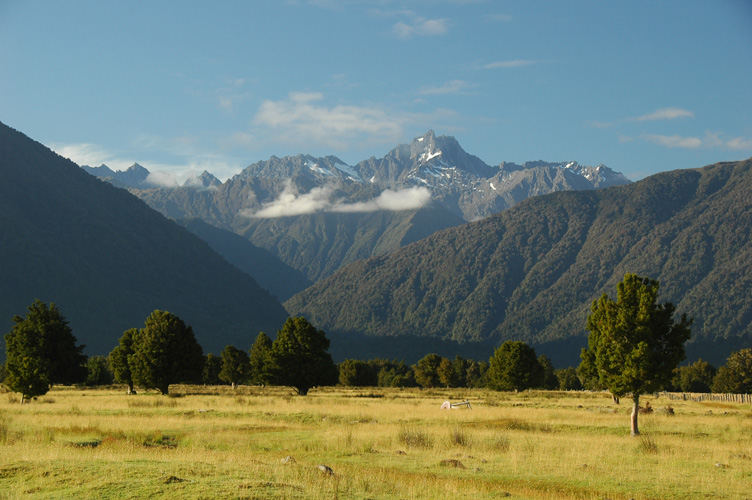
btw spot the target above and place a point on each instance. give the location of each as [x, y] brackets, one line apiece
[326, 469]
[174, 479]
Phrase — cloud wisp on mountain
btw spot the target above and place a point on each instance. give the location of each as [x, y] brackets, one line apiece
[319, 199]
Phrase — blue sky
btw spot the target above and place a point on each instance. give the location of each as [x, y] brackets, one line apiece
[179, 86]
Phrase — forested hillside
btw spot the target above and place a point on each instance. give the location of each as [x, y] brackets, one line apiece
[531, 272]
[108, 260]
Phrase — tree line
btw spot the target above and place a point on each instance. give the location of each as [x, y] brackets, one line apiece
[634, 347]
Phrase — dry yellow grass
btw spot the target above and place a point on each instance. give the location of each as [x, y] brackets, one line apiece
[381, 443]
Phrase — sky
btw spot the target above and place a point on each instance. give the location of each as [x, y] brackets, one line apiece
[186, 86]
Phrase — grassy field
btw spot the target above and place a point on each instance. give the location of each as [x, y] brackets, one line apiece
[205, 442]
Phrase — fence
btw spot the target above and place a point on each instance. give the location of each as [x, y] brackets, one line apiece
[700, 396]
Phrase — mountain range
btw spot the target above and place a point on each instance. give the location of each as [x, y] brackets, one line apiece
[380, 254]
[108, 260]
[317, 214]
[531, 272]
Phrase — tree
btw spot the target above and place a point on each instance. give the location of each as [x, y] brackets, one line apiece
[634, 341]
[356, 373]
[27, 369]
[696, 377]
[447, 376]
[235, 366]
[548, 379]
[41, 350]
[119, 363]
[568, 379]
[166, 352]
[210, 373]
[65, 361]
[587, 372]
[98, 371]
[259, 360]
[475, 376]
[300, 357]
[736, 375]
[514, 367]
[394, 374]
[427, 370]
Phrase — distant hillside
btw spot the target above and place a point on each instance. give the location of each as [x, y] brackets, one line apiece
[531, 272]
[108, 260]
[271, 274]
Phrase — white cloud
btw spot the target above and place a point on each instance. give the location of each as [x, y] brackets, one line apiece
[674, 141]
[514, 63]
[665, 114]
[739, 143]
[453, 87]
[301, 118]
[163, 179]
[420, 27]
[710, 140]
[403, 199]
[89, 154]
[291, 203]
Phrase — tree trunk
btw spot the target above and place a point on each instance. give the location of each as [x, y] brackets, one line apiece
[635, 412]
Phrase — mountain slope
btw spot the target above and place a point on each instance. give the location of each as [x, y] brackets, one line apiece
[531, 272]
[308, 234]
[108, 260]
[270, 273]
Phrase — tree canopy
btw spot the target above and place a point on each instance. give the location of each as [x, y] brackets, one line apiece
[235, 367]
[165, 352]
[41, 350]
[634, 343]
[119, 358]
[514, 367]
[300, 357]
[259, 359]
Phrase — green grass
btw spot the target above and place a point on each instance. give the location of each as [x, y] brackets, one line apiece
[215, 442]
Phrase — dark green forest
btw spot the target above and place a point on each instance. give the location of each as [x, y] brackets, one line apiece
[531, 272]
[108, 259]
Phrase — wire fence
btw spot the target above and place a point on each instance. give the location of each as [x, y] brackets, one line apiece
[703, 396]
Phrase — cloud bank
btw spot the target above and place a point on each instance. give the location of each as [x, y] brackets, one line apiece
[665, 114]
[711, 140]
[301, 115]
[421, 27]
[290, 203]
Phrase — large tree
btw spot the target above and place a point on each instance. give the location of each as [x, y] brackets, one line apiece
[427, 370]
[235, 366]
[27, 370]
[514, 367]
[259, 360]
[300, 357]
[66, 361]
[119, 364]
[41, 349]
[165, 352]
[634, 343]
